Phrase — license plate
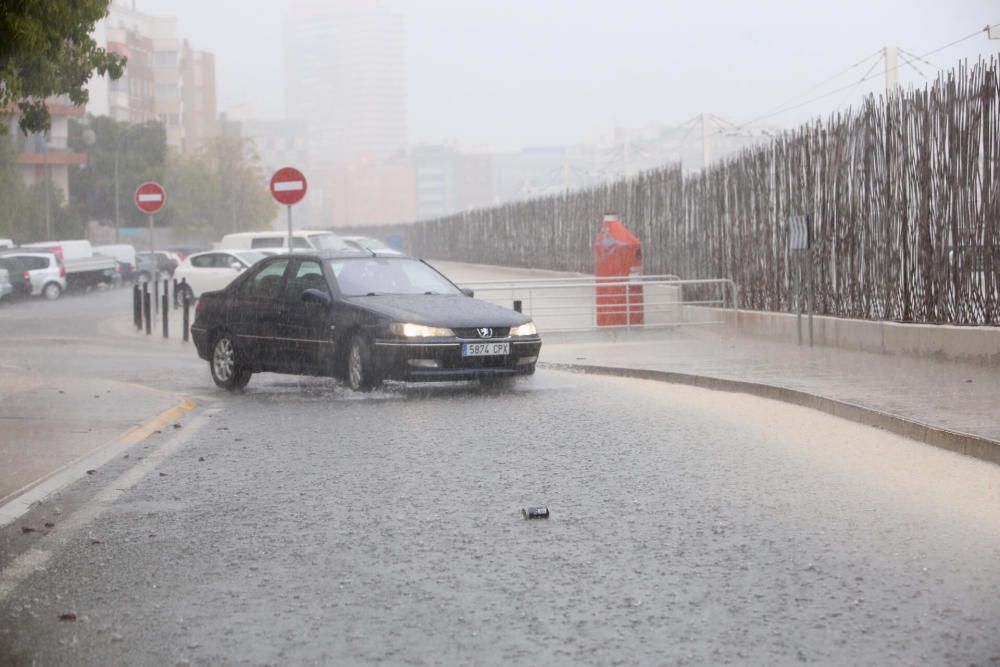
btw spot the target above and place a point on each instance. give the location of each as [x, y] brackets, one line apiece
[485, 349]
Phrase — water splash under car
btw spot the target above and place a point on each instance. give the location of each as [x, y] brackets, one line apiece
[361, 317]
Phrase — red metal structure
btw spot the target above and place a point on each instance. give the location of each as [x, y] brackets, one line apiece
[617, 257]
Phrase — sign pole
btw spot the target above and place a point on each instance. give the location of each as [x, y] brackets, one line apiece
[149, 198]
[153, 273]
[288, 187]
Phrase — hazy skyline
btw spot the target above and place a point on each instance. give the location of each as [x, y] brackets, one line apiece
[492, 75]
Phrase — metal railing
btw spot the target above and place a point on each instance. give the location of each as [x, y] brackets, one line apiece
[588, 303]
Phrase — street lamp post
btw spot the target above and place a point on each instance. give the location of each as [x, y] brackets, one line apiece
[117, 196]
[45, 178]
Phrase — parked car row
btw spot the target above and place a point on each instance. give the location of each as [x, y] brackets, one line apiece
[48, 269]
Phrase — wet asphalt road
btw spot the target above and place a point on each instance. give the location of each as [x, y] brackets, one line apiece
[301, 524]
[298, 523]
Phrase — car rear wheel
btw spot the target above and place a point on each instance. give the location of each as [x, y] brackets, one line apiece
[359, 371]
[227, 371]
[51, 291]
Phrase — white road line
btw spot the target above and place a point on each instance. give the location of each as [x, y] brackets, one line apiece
[35, 560]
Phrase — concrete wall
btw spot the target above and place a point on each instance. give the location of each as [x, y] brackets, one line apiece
[972, 343]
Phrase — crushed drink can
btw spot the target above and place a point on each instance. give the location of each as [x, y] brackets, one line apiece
[539, 512]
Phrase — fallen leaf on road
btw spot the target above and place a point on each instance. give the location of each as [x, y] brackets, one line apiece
[95, 541]
[91, 472]
[68, 616]
[27, 529]
[177, 425]
[49, 524]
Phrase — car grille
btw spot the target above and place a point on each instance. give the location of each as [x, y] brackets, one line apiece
[473, 333]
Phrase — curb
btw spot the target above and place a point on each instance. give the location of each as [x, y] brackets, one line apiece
[954, 441]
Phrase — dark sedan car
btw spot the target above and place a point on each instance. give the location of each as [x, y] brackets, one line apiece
[361, 317]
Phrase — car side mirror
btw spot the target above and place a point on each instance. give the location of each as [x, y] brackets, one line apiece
[237, 266]
[467, 291]
[313, 295]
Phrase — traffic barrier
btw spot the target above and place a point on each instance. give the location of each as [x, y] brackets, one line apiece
[186, 302]
[137, 307]
[147, 305]
[569, 304]
[165, 301]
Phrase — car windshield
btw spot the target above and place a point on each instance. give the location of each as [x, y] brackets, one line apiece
[380, 275]
[328, 242]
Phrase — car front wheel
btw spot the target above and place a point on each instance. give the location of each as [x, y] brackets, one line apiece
[360, 372]
[227, 371]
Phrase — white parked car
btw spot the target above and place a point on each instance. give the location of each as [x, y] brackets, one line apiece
[214, 269]
[45, 271]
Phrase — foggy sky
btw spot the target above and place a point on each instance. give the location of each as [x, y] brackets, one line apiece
[484, 74]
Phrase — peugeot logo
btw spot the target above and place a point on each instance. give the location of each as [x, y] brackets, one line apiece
[485, 332]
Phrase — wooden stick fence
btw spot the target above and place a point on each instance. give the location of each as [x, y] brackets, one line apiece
[902, 193]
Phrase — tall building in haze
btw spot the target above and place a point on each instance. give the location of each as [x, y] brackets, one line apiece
[345, 78]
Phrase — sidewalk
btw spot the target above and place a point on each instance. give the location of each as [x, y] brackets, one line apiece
[943, 395]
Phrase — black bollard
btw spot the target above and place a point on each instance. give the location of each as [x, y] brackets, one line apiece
[176, 300]
[147, 304]
[137, 307]
[164, 302]
[186, 301]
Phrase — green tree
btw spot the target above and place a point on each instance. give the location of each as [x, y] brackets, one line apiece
[219, 190]
[19, 208]
[46, 49]
[141, 155]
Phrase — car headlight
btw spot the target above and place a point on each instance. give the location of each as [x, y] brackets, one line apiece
[410, 330]
[527, 329]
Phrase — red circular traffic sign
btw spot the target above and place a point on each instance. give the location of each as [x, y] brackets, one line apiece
[149, 197]
[288, 186]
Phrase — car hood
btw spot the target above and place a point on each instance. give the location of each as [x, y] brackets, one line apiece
[440, 310]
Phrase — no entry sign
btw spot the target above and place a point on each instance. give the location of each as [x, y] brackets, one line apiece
[149, 197]
[288, 186]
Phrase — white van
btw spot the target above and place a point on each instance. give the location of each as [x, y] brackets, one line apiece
[66, 250]
[6, 243]
[301, 240]
[122, 252]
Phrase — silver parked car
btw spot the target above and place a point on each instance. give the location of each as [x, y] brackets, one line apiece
[5, 287]
[45, 271]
